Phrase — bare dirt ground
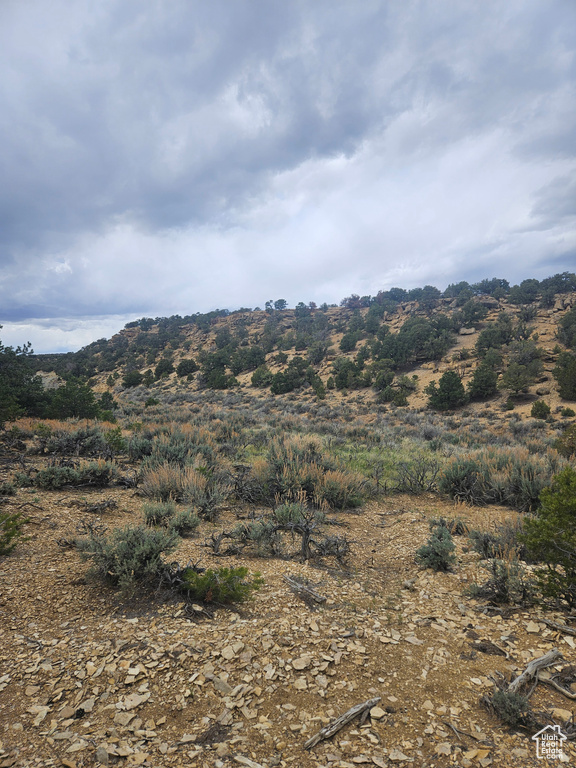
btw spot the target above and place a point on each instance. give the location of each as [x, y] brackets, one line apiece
[87, 678]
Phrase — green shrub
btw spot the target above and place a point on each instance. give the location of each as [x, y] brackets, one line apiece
[115, 440]
[7, 489]
[52, 478]
[565, 375]
[11, 532]
[129, 555]
[504, 542]
[263, 535]
[23, 480]
[291, 513]
[448, 394]
[550, 536]
[164, 368]
[540, 410]
[132, 379]
[567, 413]
[184, 522]
[262, 377]
[139, 447]
[509, 583]
[465, 478]
[299, 469]
[226, 585]
[159, 513]
[438, 552]
[510, 476]
[484, 383]
[207, 489]
[186, 367]
[85, 441]
[566, 443]
[94, 473]
[510, 707]
[455, 525]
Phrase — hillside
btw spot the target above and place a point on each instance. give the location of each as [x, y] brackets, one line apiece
[302, 445]
[386, 354]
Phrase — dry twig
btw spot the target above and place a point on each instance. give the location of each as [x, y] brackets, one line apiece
[329, 730]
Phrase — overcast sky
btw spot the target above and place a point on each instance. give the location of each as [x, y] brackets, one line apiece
[175, 156]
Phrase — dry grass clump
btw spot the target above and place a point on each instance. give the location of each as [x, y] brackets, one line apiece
[513, 476]
[298, 467]
[166, 482]
[206, 488]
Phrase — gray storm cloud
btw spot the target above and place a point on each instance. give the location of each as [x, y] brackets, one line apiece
[177, 157]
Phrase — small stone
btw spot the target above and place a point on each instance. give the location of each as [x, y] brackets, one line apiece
[562, 714]
[138, 758]
[414, 640]
[134, 700]
[123, 718]
[396, 756]
[300, 684]
[228, 652]
[78, 746]
[302, 663]
[443, 749]
[377, 713]
[102, 755]
[532, 627]
[222, 686]
[88, 705]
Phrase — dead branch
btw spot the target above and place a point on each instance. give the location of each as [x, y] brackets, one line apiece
[554, 684]
[459, 731]
[297, 586]
[559, 627]
[533, 668]
[329, 730]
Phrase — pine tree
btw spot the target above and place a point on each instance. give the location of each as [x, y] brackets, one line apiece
[448, 393]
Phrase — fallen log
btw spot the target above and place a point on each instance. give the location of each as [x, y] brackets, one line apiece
[329, 730]
[533, 668]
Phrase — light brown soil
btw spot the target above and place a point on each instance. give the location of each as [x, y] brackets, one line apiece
[84, 674]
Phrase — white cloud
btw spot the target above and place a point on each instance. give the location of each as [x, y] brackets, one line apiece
[161, 161]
